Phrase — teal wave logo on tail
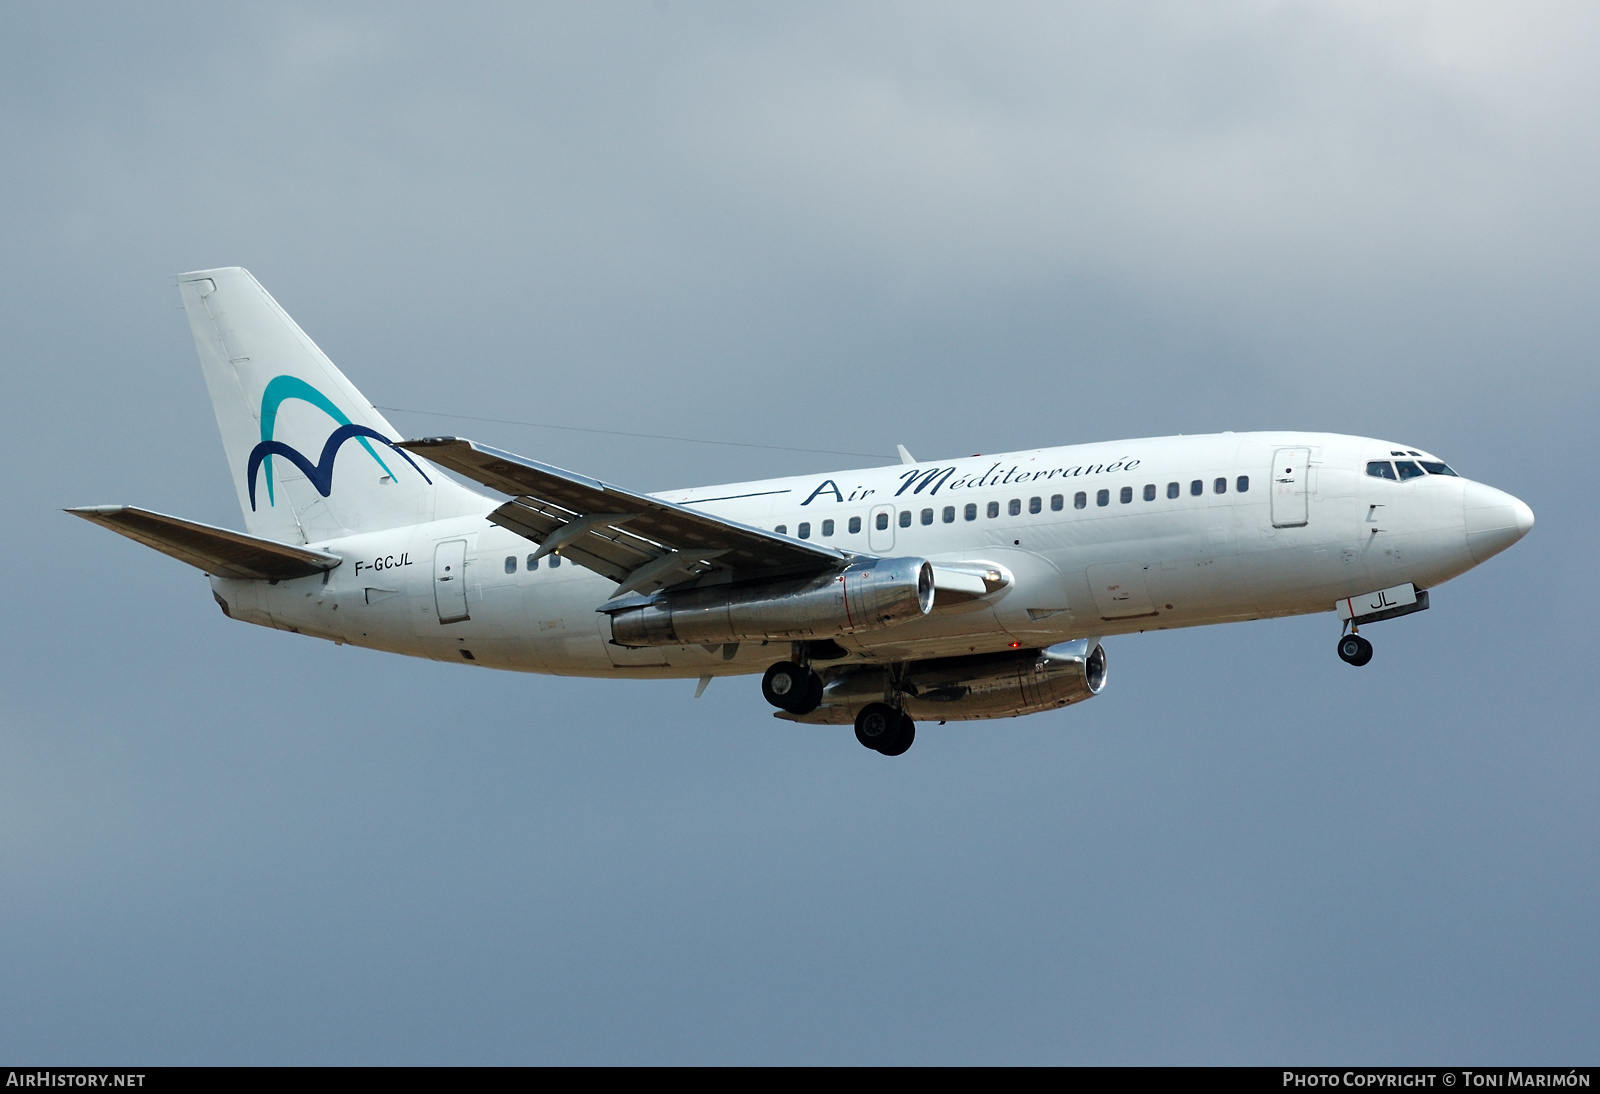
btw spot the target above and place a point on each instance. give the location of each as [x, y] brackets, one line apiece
[279, 390]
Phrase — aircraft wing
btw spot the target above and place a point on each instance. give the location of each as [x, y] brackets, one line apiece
[641, 542]
[214, 550]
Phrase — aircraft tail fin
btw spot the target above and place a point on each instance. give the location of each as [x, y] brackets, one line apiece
[288, 418]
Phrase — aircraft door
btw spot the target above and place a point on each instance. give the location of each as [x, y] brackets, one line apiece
[450, 580]
[1289, 487]
[880, 529]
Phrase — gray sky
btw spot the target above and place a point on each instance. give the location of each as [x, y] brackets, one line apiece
[964, 228]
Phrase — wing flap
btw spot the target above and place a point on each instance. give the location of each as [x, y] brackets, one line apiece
[214, 550]
[641, 530]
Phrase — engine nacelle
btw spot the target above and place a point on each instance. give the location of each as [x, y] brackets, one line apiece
[868, 596]
[985, 685]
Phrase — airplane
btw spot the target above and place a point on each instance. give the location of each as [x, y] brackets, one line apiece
[957, 589]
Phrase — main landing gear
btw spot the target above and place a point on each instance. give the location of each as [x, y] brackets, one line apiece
[884, 729]
[797, 688]
[1355, 650]
[791, 686]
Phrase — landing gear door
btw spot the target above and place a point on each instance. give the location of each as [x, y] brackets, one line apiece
[450, 580]
[1289, 480]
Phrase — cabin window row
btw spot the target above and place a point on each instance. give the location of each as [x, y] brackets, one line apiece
[1080, 500]
[532, 563]
[1197, 487]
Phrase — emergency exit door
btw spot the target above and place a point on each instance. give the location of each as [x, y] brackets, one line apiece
[1289, 500]
[880, 529]
[450, 580]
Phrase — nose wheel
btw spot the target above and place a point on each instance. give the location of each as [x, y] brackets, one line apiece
[884, 729]
[792, 687]
[1355, 650]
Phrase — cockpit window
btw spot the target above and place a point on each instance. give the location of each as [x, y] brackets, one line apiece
[1408, 470]
[1437, 468]
[1380, 469]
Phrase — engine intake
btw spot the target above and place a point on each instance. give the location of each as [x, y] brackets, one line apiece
[868, 596]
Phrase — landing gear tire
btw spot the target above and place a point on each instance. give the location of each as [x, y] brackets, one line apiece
[792, 687]
[884, 729]
[1355, 650]
[907, 734]
[813, 693]
[876, 725]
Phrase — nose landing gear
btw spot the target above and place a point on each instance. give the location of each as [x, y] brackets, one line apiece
[1355, 650]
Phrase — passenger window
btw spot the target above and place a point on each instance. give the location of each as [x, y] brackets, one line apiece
[1149, 491]
[782, 529]
[855, 526]
[970, 512]
[882, 522]
[1437, 469]
[1172, 489]
[1242, 483]
[927, 516]
[533, 562]
[1127, 494]
[511, 564]
[805, 529]
[949, 514]
[1079, 500]
[1220, 486]
[1196, 488]
[1103, 498]
[905, 518]
[1014, 508]
[555, 562]
[1408, 470]
[1056, 502]
[1380, 469]
[993, 509]
[1035, 505]
[827, 529]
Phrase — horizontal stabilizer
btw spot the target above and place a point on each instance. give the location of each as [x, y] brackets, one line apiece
[214, 550]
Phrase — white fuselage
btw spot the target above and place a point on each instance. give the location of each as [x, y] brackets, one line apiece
[1283, 545]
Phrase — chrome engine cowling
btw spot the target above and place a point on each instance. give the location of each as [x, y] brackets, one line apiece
[985, 685]
[867, 596]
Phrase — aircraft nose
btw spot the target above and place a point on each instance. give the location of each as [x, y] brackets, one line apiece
[1494, 519]
[1524, 519]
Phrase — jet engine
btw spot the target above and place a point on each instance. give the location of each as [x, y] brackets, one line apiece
[992, 685]
[868, 596]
